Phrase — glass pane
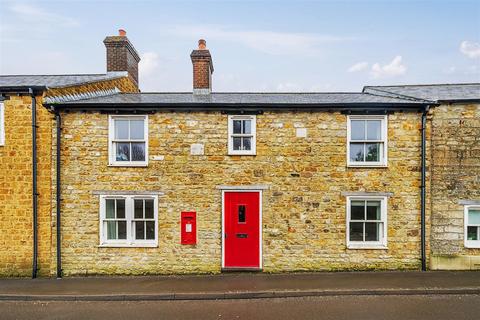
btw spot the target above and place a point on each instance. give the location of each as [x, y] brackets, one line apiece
[138, 209]
[247, 126]
[136, 129]
[139, 230]
[121, 129]
[121, 208]
[150, 230]
[372, 231]
[356, 231]
[357, 128]
[237, 143]
[357, 210]
[373, 210]
[356, 152]
[373, 152]
[472, 233]
[111, 230]
[247, 143]
[374, 129]
[123, 151]
[122, 229]
[110, 209]
[138, 151]
[473, 216]
[237, 126]
[148, 209]
[241, 214]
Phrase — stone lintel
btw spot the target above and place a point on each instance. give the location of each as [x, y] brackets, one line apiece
[126, 192]
[366, 194]
[247, 187]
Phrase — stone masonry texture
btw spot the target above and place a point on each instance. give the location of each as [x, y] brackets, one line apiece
[304, 212]
[455, 163]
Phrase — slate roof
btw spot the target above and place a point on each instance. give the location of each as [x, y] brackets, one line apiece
[242, 99]
[56, 81]
[434, 92]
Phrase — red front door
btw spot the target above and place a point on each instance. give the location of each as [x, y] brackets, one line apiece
[242, 230]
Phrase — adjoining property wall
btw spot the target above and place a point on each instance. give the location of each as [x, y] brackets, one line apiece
[304, 212]
[455, 160]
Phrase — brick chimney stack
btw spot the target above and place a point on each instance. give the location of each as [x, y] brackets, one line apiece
[202, 69]
[121, 55]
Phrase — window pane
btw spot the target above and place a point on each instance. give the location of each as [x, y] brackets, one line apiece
[373, 152]
[247, 143]
[111, 230]
[122, 229]
[356, 231]
[241, 214]
[472, 233]
[473, 216]
[356, 152]
[237, 126]
[357, 210]
[139, 230]
[121, 208]
[138, 208]
[150, 230]
[148, 209]
[372, 231]
[110, 209]
[237, 143]
[357, 128]
[123, 151]
[373, 210]
[136, 129]
[138, 151]
[374, 129]
[247, 126]
[121, 129]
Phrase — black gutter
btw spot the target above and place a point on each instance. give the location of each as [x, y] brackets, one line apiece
[58, 121]
[422, 192]
[34, 184]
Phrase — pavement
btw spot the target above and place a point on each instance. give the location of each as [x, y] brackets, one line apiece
[240, 286]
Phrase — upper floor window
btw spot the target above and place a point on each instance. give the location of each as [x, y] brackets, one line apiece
[128, 221]
[472, 226]
[241, 135]
[366, 222]
[2, 124]
[367, 140]
[128, 140]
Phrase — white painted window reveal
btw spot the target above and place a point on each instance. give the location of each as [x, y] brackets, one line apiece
[472, 226]
[128, 140]
[241, 134]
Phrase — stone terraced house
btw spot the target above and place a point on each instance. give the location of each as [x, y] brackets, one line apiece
[126, 182]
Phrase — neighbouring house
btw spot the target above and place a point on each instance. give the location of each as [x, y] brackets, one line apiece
[196, 182]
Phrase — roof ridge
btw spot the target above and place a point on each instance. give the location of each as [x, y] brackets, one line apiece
[57, 75]
[427, 85]
[398, 96]
[243, 92]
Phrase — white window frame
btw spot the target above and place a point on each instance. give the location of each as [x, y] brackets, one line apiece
[382, 244]
[111, 141]
[470, 243]
[253, 119]
[130, 241]
[2, 124]
[384, 141]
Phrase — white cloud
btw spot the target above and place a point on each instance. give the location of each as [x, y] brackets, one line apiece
[360, 66]
[148, 63]
[470, 49]
[30, 13]
[270, 42]
[393, 69]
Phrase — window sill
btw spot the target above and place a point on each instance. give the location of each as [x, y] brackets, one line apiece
[128, 245]
[472, 245]
[127, 165]
[367, 246]
[368, 165]
[241, 154]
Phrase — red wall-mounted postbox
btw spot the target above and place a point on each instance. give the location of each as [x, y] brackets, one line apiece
[189, 227]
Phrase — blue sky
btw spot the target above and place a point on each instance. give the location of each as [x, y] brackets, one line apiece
[256, 45]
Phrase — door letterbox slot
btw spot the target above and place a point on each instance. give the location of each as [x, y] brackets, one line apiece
[242, 235]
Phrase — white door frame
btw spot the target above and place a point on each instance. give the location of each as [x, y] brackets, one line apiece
[260, 238]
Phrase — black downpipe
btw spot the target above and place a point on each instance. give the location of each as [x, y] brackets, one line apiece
[59, 230]
[422, 192]
[34, 183]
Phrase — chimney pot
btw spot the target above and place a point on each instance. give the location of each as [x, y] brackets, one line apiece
[202, 44]
[122, 33]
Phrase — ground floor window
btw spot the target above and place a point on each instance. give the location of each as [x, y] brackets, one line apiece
[472, 226]
[129, 220]
[366, 222]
